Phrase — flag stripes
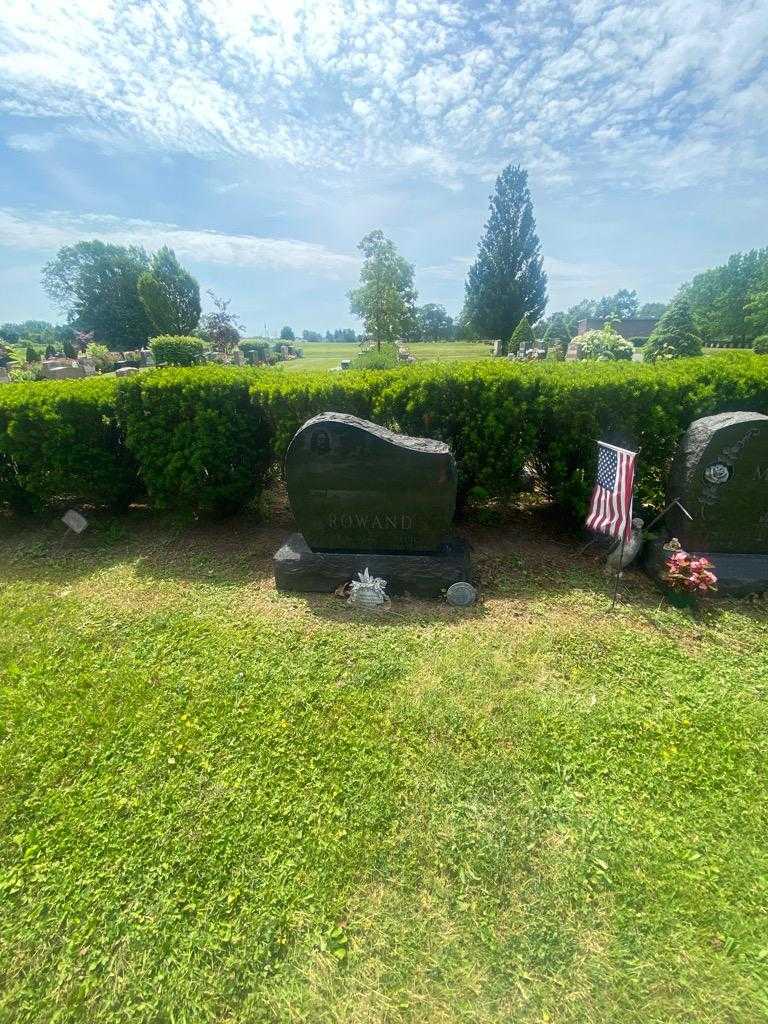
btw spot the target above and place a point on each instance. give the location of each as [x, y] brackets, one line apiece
[610, 509]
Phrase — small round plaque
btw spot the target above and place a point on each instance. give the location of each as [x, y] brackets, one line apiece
[461, 594]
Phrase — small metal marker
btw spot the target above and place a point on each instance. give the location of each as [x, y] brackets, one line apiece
[74, 521]
[461, 595]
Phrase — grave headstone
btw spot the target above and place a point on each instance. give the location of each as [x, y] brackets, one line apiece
[720, 476]
[72, 372]
[147, 357]
[365, 497]
[88, 365]
[4, 378]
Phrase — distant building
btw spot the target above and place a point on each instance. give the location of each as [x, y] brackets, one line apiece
[633, 327]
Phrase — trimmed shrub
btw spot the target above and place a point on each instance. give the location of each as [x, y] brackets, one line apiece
[640, 407]
[177, 350]
[200, 443]
[760, 345]
[286, 401]
[205, 438]
[60, 442]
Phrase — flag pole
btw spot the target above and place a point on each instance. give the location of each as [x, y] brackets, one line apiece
[618, 572]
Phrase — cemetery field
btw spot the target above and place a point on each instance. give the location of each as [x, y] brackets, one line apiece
[225, 804]
[326, 356]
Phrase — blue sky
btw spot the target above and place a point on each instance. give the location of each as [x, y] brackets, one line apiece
[261, 140]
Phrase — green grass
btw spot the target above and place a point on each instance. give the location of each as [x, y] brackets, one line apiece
[327, 355]
[224, 804]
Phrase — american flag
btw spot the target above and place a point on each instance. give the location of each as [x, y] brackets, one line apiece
[610, 510]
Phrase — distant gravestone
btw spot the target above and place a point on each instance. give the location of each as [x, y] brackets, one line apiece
[73, 372]
[4, 378]
[88, 365]
[365, 497]
[720, 476]
[498, 349]
[126, 371]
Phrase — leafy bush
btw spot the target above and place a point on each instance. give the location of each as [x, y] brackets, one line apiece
[100, 356]
[200, 443]
[760, 345]
[177, 350]
[605, 345]
[384, 358]
[60, 441]
[205, 438]
[644, 408]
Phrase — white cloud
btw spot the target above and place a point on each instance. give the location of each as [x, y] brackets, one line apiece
[320, 83]
[31, 143]
[48, 231]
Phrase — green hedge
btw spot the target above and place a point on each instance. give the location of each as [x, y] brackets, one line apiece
[177, 350]
[205, 438]
[201, 443]
[61, 441]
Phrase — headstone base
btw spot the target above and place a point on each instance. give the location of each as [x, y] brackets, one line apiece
[737, 575]
[299, 568]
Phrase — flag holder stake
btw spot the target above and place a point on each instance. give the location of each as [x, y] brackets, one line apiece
[618, 572]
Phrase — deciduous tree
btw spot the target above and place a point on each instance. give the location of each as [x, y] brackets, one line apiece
[96, 286]
[169, 294]
[221, 328]
[385, 299]
[434, 323]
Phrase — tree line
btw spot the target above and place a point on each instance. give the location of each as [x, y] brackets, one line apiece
[505, 294]
[123, 295]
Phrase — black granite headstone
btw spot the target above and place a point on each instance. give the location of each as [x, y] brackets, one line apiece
[365, 497]
[356, 486]
[720, 475]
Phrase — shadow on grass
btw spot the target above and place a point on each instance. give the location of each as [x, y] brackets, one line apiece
[522, 556]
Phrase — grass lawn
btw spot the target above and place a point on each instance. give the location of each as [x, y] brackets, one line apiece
[326, 356]
[224, 804]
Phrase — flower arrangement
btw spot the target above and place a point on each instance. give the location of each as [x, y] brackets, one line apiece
[687, 574]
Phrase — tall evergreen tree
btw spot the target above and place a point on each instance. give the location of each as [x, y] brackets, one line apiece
[506, 282]
[674, 335]
[170, 295]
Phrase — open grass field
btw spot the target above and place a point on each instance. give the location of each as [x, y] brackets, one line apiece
[326, 356]
[224, 804]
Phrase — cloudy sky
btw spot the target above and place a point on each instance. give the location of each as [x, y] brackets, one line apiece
[262, 138]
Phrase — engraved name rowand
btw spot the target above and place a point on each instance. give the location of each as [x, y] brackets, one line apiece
[356, 486]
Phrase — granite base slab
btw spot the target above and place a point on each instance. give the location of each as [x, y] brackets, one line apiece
[298, 568]
[737, 575]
